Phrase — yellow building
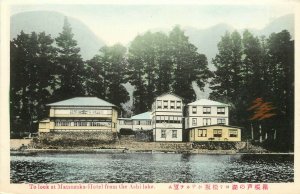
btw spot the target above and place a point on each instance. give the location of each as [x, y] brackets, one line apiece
[80, 114]
[215, 133]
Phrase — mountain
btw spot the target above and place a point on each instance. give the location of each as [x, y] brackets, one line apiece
[286, 22]
[52, 22]
[206, 40]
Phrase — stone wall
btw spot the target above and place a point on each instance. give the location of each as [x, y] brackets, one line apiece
[219, 145]
[130, 143]
[75, 139]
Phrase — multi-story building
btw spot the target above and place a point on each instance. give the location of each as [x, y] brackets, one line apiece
[206, 112]
[80, 114]
[138, 122]
[167, 114]
[208, 120]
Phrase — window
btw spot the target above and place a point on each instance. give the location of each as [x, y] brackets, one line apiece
[159, 104]
[217, 132]
[194, 109]
[128, 122]
[174, 133]
[121, 122]
[165, 104]
[194, 121]
[171, 119]
[221, 110]
[233, 133]
[178, 105]
[177, 119]
[221, 121]
[137, 122]
[202, 133]
[206, 110]
[163, 133]
[206, 121]
[172, 104]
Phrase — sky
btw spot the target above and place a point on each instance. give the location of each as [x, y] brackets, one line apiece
[121, 23]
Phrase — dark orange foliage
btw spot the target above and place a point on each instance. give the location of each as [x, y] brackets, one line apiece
[262, 110]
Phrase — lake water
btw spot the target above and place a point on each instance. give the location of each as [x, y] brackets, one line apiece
[150, 168]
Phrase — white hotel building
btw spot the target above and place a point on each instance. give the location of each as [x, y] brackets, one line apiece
[206, 112]
[167, 114]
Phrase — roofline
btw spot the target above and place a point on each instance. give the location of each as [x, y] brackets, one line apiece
[215, 125]
[168, 93]
[84, 105]
[224, 104]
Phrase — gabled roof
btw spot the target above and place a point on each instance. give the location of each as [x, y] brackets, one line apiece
[82, 101]
[142, 116]
[169, 94]
[204, 102]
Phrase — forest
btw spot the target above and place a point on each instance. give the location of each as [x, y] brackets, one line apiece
[255, 75]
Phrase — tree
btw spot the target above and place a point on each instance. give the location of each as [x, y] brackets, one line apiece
[32, 57]
[70, 66]
[149, 69]
[227, 81]
[188, 64]
[106, 74]
[160, 63]
[280, 57]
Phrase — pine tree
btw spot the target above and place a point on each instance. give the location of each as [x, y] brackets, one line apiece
[188, 65]
[70, 66]
[227, 80]
[32, 57]
[107, 74]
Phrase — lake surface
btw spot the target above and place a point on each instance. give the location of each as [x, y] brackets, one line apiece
[150, 168]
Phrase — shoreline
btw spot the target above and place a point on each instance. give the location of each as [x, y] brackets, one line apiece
[132, 151]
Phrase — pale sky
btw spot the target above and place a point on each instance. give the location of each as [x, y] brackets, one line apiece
[121, 23]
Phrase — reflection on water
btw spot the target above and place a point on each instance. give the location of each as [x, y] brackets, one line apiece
[151, 168]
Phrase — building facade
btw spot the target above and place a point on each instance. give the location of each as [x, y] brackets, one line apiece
[167, 117]
[138, 122]
[214, 133]
[80, 114]
[206, 112]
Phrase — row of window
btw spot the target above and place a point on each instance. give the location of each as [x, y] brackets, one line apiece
[216, 133]
[142, 122]
[83, 123]
[166, 104]
[77, 130]
[168, 119]
[90, 112]
[207, 121]
[207, 110]
[164, 134]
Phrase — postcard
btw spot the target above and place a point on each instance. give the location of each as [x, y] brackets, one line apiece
[149, 97]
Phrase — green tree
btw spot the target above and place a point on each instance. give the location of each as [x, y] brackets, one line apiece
[280, 57]
[148, 68]
[227, 82]
[106, 74]
[188, 64]
[32, 82]
[70, 67]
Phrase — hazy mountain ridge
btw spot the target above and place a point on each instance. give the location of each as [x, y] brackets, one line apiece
[52, 22]
[205, 40]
